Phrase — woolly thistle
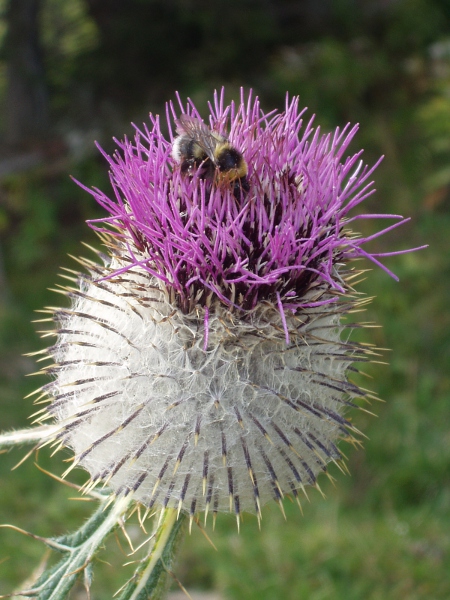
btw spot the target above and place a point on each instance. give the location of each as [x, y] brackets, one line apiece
[203, 364]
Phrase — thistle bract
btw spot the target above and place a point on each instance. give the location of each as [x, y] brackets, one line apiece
[203, 362]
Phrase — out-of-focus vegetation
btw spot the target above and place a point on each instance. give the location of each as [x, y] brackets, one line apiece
[384, 532]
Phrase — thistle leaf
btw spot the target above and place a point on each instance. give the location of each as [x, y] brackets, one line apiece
[78, 550]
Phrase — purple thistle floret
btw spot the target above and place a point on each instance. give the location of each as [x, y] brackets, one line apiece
[286, 234]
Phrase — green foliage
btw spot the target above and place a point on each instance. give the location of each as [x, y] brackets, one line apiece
[68, 35]
[331, 552]
[79, 548]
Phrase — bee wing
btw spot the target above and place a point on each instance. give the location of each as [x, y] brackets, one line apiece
[196, 130]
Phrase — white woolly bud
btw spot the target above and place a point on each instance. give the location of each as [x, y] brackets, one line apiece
[149, 410]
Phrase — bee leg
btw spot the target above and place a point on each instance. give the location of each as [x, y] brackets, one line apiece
[187, 165]
[240, 188]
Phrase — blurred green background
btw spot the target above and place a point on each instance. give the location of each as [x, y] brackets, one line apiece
[72, 71]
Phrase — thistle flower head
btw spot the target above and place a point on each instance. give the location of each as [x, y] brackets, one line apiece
[203, 362]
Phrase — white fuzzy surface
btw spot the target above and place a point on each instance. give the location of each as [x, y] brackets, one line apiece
[146, 409]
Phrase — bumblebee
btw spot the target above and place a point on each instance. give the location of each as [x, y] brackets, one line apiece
[200, 147]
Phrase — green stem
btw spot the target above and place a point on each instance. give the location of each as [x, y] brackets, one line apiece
[150, 579]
